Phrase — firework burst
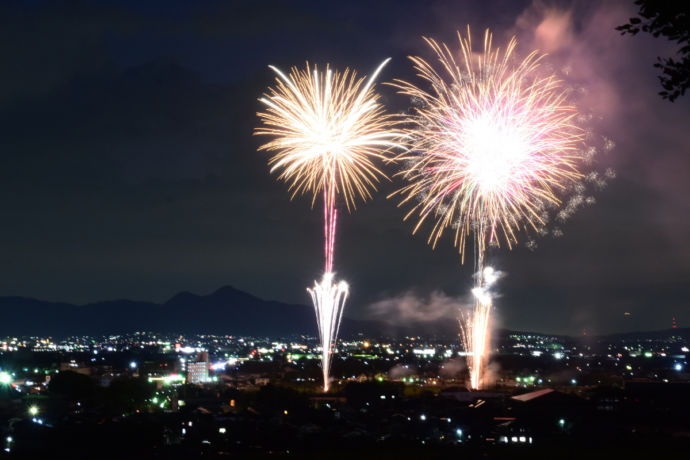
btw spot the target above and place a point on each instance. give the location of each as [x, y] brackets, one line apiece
[328, 131]
[491, 143]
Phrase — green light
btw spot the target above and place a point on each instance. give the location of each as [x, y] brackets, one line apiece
[154, 400]
[561, 422]
[5, 378]
[647, 354]
[33, 410]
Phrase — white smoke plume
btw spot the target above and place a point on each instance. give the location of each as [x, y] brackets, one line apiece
[401, 370]
[410, 307]
[453, 368]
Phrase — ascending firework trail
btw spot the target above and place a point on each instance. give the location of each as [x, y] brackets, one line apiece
[491, 145]
[328, 129]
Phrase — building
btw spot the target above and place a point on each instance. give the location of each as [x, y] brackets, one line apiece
[197, 370]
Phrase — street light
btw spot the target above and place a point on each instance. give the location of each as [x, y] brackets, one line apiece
[5, 378]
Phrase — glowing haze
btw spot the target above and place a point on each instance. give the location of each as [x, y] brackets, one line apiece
[491, 143]
[328, 131]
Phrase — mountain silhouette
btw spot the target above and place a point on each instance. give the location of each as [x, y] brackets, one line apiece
[227, 311]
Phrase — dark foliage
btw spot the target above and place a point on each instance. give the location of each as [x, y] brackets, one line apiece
[358, 394]
[669, 19]
[127, 394]
[73, 386]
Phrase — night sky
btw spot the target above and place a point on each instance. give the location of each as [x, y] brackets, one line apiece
[129, 169]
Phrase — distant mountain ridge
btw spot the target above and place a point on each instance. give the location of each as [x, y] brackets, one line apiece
[227, 311]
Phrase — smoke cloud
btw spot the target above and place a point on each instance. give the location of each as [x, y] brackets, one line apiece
[453, 368]
[580, 53]
[492, 373]
[410, 307]
[401, 370]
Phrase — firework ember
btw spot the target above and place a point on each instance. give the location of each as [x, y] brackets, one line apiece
[328, 131]
[491, 144]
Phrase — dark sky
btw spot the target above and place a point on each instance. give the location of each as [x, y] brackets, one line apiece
[129, 169]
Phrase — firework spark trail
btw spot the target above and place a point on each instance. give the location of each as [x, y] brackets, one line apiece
[328, 129]
[327, 297]
[330, 215]
[475, 327]
[329, 302]
[490, 146]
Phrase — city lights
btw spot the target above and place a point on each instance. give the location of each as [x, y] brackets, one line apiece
[417, 364]
[5, 378]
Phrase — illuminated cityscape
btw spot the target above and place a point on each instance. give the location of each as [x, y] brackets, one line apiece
[202, 388]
